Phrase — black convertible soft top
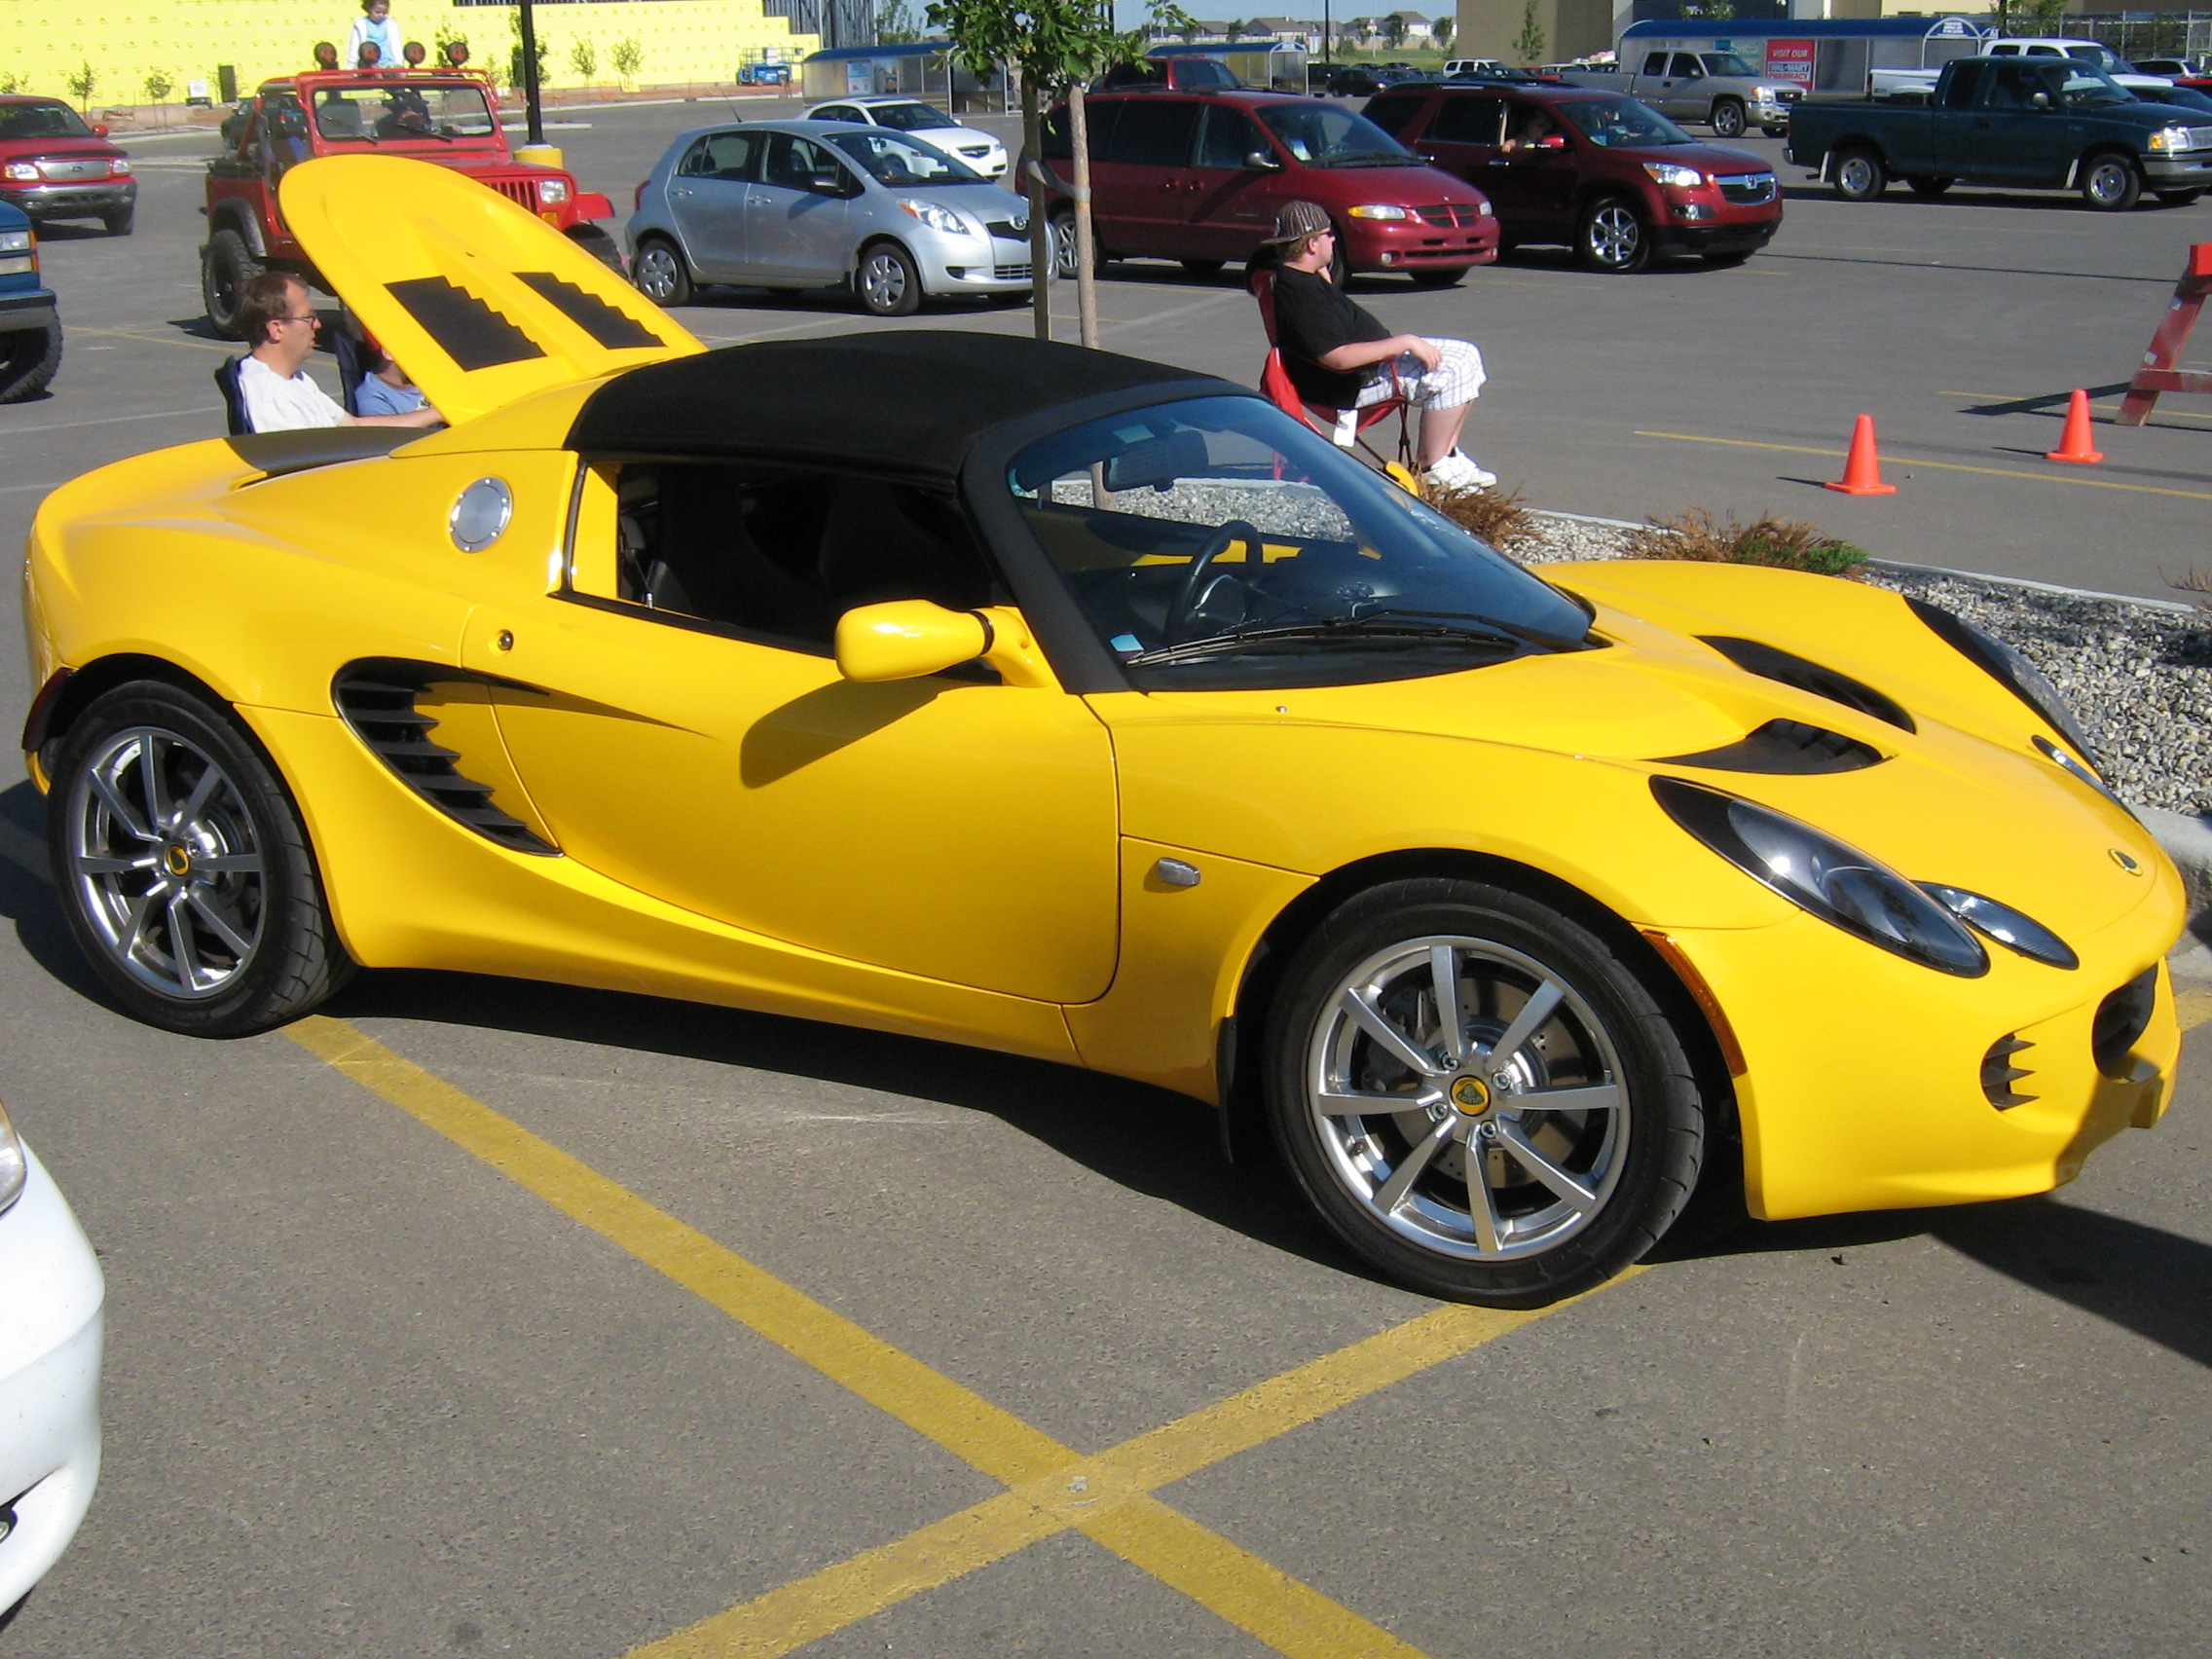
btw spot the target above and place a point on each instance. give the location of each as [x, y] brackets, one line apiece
[908, 401]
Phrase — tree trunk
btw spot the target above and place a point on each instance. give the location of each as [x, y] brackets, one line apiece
[1040, 229]
[1085, 234]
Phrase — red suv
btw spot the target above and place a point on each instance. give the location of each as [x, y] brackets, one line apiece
[54, 167]
[1611, 177]
[1197, 176]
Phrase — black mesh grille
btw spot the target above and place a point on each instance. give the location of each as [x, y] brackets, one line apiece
[2121, 1019]
[377, 701]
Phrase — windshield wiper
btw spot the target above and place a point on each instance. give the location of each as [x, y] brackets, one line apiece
[1414, 628]
[1371, 159]
[1510, 629]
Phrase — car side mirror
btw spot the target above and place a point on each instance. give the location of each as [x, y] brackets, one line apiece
[99, 130]
[825, 183]
[1260, 161]
[906, 639]
[2039, 101]
[1552, 142]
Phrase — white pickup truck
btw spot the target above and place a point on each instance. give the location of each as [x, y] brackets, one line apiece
[1716, 88]
[1919, 84]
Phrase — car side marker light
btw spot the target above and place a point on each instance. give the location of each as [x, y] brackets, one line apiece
[1174, 872]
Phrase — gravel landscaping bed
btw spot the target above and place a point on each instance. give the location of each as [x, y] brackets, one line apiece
[2138, 675]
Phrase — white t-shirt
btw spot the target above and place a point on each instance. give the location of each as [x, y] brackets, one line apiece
[275, 404]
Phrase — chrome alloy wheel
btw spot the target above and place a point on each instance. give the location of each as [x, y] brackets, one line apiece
[883, 281]
[1469, 1097]
[1856, 176]
[658, 274]
[1615, 235]
[168, 869]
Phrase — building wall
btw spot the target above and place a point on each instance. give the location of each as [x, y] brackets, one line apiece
[43, 43]
[1572, 28]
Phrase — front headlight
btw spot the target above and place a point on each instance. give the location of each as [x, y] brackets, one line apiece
[1675, 173]
[936, 218]
[2006, 925]
[2171, 138]
[1816, 873]
[14, 1168]
[1380, 211]
[23, 171]
[118, 166]
[552, 191]
[2010, 669]
[14, 242]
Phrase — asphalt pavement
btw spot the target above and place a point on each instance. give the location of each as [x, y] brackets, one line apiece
[479, 1317]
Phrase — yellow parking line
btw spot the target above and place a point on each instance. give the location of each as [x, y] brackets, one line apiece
[1941, 465]
[158, 339]
[2193, 1008]
[1055, 1489]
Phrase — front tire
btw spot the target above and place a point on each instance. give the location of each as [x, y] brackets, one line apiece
[887, 282]
[226, 266]
[1203, 267]
[33, 358]
[661, 275]
[119, 222]
[1728, 119]
[2110, 184]
[1533, 1138]
[183, 867]
[1860, 176]
[599, 245]
[1928, 186]
[2179, 198]
[1611, 238]
[1448, 277]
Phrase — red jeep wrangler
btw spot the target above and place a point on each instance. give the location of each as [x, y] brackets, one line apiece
[449, 117]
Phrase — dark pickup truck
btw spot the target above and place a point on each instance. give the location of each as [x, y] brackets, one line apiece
[2017, 123]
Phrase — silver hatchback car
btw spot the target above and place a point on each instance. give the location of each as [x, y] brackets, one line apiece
[818, 204]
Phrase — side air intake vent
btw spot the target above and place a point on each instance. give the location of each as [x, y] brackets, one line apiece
[1999, 1073]
[1785, 747]
[2121, 1019]
[377, 699]
[1771, 662]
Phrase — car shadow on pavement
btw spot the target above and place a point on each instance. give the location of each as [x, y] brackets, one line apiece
[27, 898]
[1147, 1140]
[2142, 1278]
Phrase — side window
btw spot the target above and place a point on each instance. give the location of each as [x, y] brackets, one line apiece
[1099, 119]
[1964, 81]
[1155, 132]
[1468, 121]
[723, 155]
[1394, 112]
[1686, 66]
[2043, 51]
[2003, 51]
[1227, 137]
[2009, 84]
[800, 163]
[837, 112]
[1655, 63]
[783, 553]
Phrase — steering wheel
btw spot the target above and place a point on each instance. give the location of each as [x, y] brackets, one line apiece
[1185, 604]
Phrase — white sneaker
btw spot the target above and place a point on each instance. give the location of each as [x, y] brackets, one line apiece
[1455, 471]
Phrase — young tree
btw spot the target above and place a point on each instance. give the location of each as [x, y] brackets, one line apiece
[894, 24]
[1394, 30]
[1442, 30]
[159, 85]
[1232, 31]
[583, 59]
[628, 57]
[1530, 42]
[81, 83]
[514, 55]
[1051, 46]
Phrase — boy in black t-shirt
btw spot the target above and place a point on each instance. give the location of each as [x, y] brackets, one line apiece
[1340, 356]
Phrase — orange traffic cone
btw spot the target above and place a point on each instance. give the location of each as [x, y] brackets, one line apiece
[2074, 445]
[1863, 472]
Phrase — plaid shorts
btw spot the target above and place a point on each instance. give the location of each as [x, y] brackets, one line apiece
[1457, 380]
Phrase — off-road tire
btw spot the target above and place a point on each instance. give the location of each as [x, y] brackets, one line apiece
[226, 266]
[296, 960]
[32, 357]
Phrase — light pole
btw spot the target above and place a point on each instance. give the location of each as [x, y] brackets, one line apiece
[534, 116]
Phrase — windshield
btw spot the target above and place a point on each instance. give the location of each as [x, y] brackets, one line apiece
[894, 159]
[910, 117]
[2185, 98]
[1616, 124]
[1323, 136]
[2092, 89]
[407, 114]
[41, 121]
[1216, 543]
[2103, 58]
[1724, 63]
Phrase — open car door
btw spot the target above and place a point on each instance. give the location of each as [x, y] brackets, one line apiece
[478, 300]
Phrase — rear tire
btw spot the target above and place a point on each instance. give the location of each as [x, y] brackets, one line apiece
[1927, 186]
[1204, 267]
[1457, 1181]
[33, 358]
[1062, 227]
[1611, 238]
[1860, 176]
[2110, 184]
[226, 266]
[1728, 119]
[660, 273]
[184, 869]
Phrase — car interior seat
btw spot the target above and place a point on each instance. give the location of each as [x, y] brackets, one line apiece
[338, 118]
[234, 400]
[885, 542]
[1345, 427]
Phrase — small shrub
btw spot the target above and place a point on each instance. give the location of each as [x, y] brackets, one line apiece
[158, 87]
[1495, 516]
[583, 59]
[628, 57]
[2194, 581]
[81, 81]
[14, 81]
[1789, 545]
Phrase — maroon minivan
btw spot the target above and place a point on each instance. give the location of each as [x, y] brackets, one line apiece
[1197, 176]
[1606, 175]
[54, 167]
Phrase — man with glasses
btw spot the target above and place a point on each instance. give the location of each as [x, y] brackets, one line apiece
[276, 318]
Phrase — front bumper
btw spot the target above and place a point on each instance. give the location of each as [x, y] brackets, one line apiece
[21, 311]
[51, 1295]
[66, 200]
[1416, 245]
[1864, 1084]
[951, 265]
[1719, 238]
[2179, 172]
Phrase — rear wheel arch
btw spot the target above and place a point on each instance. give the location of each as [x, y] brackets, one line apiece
[234, 216]
[1240, 1051]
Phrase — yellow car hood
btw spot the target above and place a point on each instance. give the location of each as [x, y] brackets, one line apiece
[477, 299]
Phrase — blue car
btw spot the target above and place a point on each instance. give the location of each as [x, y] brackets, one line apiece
[30, 328]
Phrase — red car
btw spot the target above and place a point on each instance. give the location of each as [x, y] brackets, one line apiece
[1197, 176]
[1606, 175]
[54, 167]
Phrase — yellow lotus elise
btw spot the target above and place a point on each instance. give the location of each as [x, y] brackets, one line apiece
[1083, 708]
